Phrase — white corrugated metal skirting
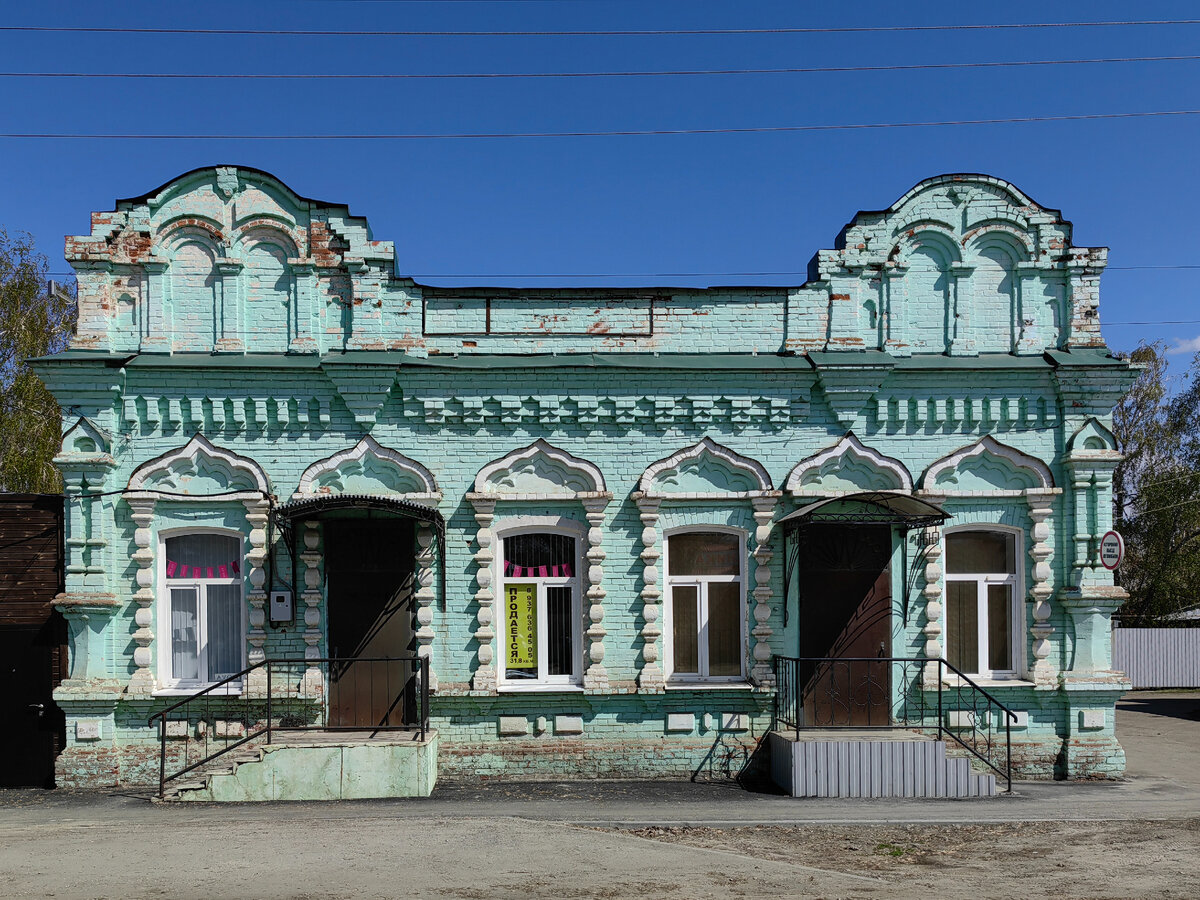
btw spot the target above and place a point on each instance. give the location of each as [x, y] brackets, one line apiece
[1158, 657]
[874, 768]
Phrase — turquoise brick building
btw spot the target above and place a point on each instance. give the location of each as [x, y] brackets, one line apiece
[571, 503]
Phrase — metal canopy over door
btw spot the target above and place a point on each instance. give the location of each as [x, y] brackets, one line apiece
[370, 578]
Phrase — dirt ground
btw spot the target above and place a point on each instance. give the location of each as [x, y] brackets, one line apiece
[1135, 858]
[578, 840]
[1039, 859]
[298, 853]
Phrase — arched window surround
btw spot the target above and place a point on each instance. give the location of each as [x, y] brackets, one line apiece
[150, 484]
[558, 476]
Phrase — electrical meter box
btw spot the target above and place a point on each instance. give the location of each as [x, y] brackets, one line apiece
[281, 606]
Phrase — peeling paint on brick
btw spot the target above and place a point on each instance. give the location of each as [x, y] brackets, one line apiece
[960, 315]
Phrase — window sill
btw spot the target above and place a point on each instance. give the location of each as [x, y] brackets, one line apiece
[708, 686]
[988, 681]
[227, 691]
[539, 689]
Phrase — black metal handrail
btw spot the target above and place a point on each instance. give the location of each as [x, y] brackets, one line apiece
[186, 703]
[979, 737]
[294, 701]
[889, 692]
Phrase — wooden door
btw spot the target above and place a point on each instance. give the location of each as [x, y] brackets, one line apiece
[34, 725]
[33, 638]
[845, 615]
[370, 576]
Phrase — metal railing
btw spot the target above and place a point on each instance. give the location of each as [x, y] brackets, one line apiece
[371, 694]
[890, 692]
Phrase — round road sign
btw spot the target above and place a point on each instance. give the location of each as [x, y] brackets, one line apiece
[1112, 550]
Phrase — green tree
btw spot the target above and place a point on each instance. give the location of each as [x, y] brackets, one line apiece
[1156, 489]
[33, 322]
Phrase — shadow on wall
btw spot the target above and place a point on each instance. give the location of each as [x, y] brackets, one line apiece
[732, 759]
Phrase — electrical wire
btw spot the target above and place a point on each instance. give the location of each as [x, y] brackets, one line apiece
[1166, 479]
[1157, 509]
[70, 276]
[442, 1]
[647, 73]
[705, 275]
[764, 129]
[158, 493]
[622, 32]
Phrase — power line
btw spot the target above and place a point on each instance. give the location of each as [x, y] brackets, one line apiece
[1146, 512]
[648, 73]
[1132, 268]
[1164, 322]
[760, 274]
[451, 1]
[765, 129]
[1168, 478]
[715, 275]
[442, 1]
[865, 29]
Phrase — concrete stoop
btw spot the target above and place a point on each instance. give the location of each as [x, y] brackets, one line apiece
[198, 779]
[329, 767]
[872, 764]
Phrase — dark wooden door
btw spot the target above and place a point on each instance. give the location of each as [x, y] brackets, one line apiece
[33, 638]
[34, 725]
[845, 615]
[370, 575]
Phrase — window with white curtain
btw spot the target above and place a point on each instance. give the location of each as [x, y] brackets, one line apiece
[982, 610]
[203, 604]
[705, 610]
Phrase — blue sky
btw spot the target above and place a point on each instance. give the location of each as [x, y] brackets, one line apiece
[635, 204]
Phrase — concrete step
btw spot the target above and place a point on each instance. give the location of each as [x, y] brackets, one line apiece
[321, 767]
[856, 734]
[200, 779]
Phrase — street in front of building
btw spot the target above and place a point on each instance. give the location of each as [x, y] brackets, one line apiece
[1135, 838]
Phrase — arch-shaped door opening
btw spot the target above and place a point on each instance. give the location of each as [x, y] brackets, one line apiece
[368, 555]
[846, 618]
[370, 578]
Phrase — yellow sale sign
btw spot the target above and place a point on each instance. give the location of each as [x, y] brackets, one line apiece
[521, 625]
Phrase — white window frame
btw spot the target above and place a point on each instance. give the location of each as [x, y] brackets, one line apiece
[1014, 579]
[701, 582]
[167, 683]
[544, 682]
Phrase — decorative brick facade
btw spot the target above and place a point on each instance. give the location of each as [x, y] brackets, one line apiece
[239, 345]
